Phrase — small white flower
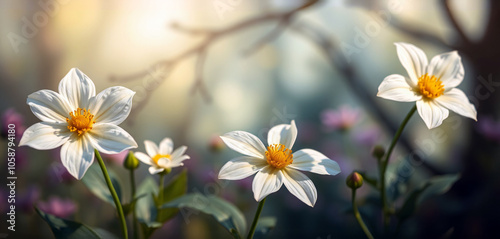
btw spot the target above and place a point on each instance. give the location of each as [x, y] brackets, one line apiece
[162, 157]
[276, 165]
[80, 121]
[432, 85]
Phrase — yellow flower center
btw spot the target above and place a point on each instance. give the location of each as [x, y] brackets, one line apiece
[159, 156]
[279, 156]
[81, 121]
[430, 86]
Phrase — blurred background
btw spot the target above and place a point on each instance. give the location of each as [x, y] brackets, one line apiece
[199, 73]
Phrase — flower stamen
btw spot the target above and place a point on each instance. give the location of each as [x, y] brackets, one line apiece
[430, 86]
[279, 156]
[159, 156]
[81, 121]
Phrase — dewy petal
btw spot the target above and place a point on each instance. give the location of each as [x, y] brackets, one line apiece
[166, 146]
[241, 167]
[151, 148]
[413, 60]
[300, 186]
[155, 170]
[449, 68]
[457, 101]
[144, 158]
[245, 143]
[49, 106]
[315, 162]
[110, 139]
[284, 134]
[45, 135]
[178, 152]
[77, 88]
[395, 87]
[77, 155]
[266, 181]
[432, 114]
[112, 105]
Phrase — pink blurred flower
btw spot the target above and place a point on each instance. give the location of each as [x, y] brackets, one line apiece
[342, 119]
[368, 136]
[58, 207]
[489, 128]
[11, 116]
[116, 158]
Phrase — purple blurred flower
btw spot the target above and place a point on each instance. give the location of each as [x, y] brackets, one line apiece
[27, 200]
[368, 136]
[489, 128]
[11, 116]
[116, 158]
[342, 119]
[58, 207]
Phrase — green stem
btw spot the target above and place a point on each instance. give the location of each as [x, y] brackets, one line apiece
[113, 194]
[358, 216]
[134, 215]
[384, 163]
[256, 219]
[160, 194]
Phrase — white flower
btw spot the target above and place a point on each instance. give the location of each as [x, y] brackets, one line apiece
[80, 121]
[432, 85]
[162, 157]
[276, 165]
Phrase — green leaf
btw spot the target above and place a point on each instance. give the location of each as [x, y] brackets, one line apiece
[67, 229]
[176, 188]
[127, 207]
[145, 206]
[265, 225]
[95, 182]
[435, 186]
[224, 212]
[439, 185]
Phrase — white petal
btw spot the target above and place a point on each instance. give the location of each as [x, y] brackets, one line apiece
[151, 148]
[245, 143]
[144, 158]
[266, 181]
[155, 170]
[77, 155]
[110, 139]
[49, 106]
[77, 88]
[432, 114]
[166, 146]
[45, 135]
[395, 87]
[457, 101]
[241, 167]
[315, 162]
[112, 105]
[448, 67]
[178, 152]
[178, 160]
[413, 60]
[284, 134]
[300, 186]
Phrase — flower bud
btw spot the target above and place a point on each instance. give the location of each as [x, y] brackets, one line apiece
[131, 162]
[354, 180]
[378, 152]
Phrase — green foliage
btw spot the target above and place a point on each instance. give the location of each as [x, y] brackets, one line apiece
[228, 215]
[67, 229]
[95, 182]
[265, 225]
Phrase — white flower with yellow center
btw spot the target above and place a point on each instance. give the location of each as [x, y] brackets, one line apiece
[276, 165]
[432, 85]
[162, 157]
[80, 121]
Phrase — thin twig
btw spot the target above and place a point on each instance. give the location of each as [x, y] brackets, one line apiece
[199, 83]
[272, 35]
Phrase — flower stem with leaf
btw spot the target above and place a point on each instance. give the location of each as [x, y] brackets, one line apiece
[113, 194]
[385, 162]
